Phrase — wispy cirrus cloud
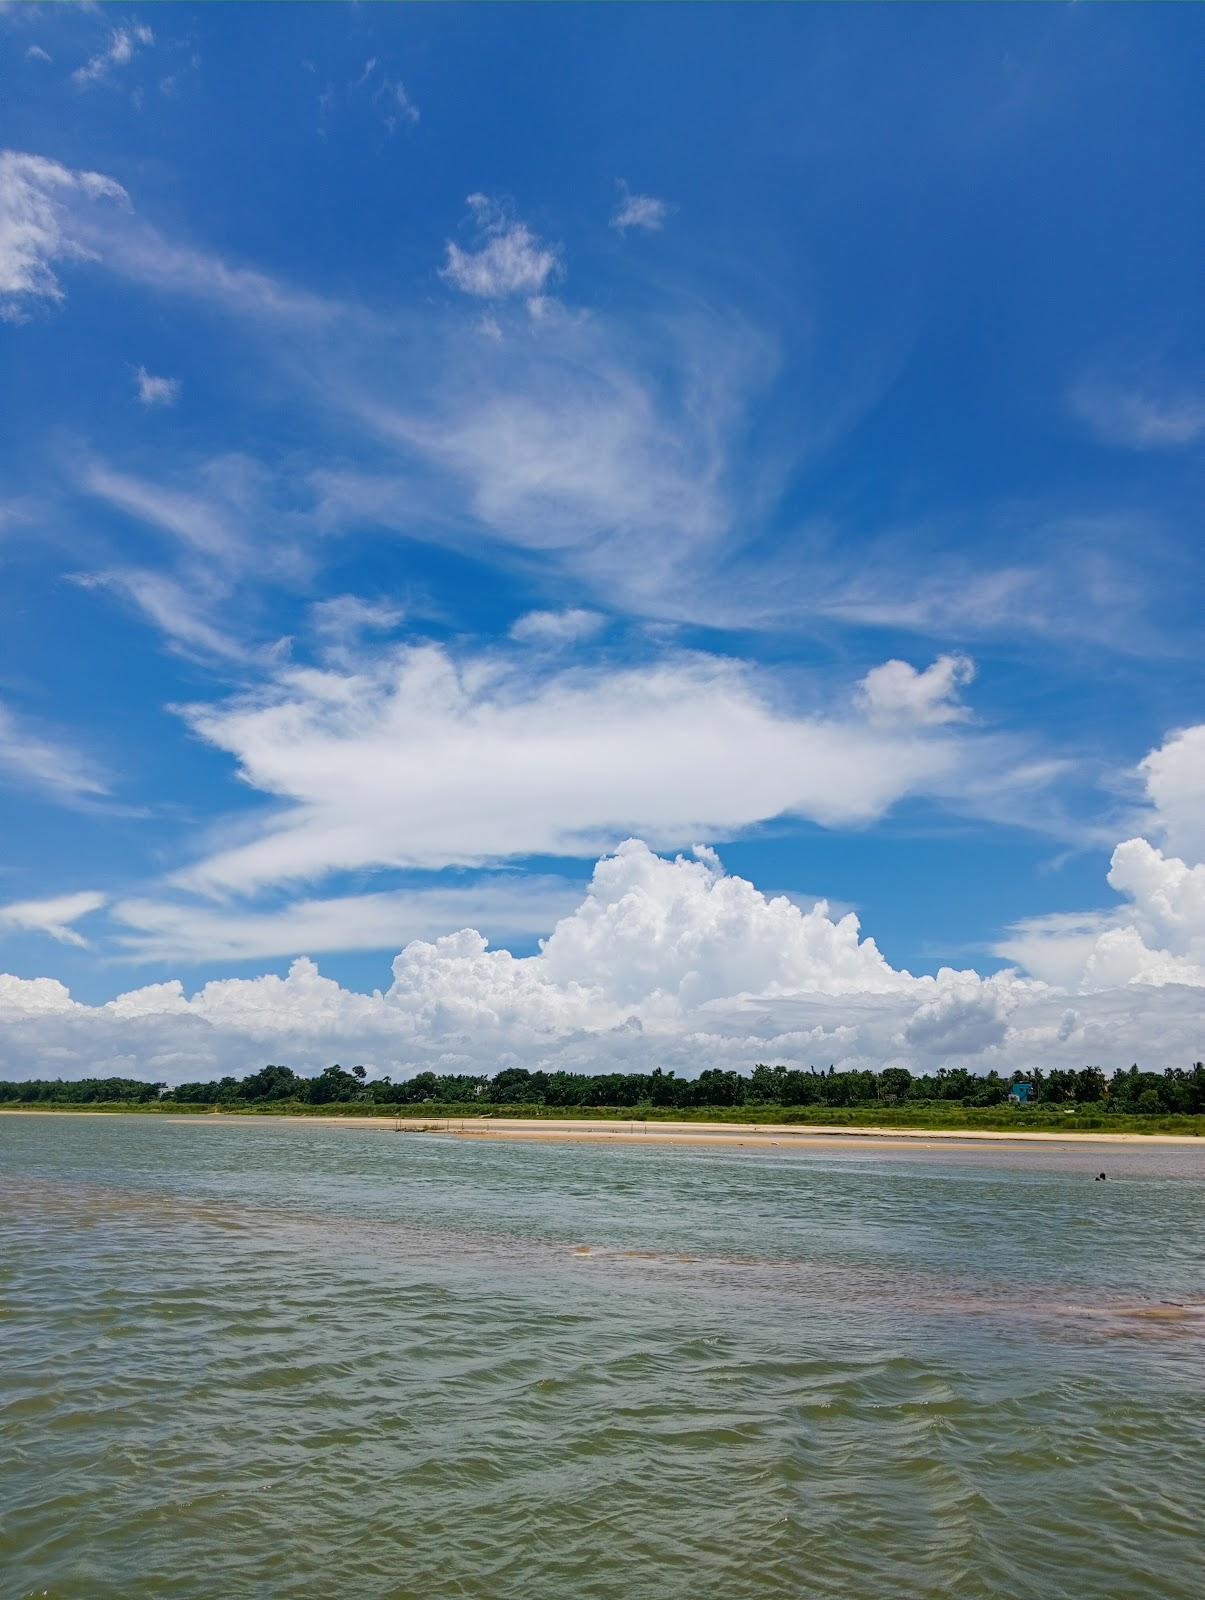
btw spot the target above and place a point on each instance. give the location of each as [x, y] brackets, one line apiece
[181, 613]
[621, 452]
[120, 49]
[225, 539]
[48, 214]
[53, 917]
[34, 758]
[505, 907]
[1140, 416]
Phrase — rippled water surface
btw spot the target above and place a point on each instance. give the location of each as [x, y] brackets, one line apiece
[275, 1359]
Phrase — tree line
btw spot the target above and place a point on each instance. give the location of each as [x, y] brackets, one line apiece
[1128, 1090]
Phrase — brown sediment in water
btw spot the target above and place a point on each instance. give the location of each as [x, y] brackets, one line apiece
[913, 1293]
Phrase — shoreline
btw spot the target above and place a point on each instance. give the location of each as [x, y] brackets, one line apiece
[635, 1131]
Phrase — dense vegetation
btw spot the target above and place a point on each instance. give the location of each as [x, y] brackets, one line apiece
[894, 1092]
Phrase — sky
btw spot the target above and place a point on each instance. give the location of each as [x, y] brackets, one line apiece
[600, 537]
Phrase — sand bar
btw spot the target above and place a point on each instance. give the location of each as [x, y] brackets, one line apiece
[636, 1131]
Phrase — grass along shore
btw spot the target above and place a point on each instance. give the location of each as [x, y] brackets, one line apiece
[935, 1118]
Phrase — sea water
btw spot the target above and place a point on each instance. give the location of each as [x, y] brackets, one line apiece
[249, 1358]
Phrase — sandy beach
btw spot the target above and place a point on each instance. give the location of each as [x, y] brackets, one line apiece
[635, 1131]
[738, 1134]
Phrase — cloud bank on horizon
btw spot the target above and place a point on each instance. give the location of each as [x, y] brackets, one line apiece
[465, 578]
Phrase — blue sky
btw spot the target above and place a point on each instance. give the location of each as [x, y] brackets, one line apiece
[444, 442]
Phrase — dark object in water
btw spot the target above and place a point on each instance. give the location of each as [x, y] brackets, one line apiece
[1101, 1177]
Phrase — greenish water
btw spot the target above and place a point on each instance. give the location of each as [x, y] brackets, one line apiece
[274, 1359]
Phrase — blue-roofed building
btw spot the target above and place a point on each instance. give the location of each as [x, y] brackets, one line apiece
[1021, 1094]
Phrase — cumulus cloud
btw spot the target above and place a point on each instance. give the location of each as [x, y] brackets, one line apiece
[555, 628]
[896, 692]
[966, 1016]
[53, 917]
[1158, 936]
[509, 258]
[1167, 894]
[1174, 778]
[153, 391]
[643, 211]
[1140, 417]
[418, 760]
[37, 229]
[684, 932]
[668, 962]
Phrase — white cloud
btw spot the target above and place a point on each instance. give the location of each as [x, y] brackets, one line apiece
[509, 259]
[1065, 577]
[1140, 418]
[1058, 947]
[896, 692]
[23, 998]
[1121, 957]
[557, 628]
[1168, 895]
[47, 215]
[406, 108]
[228, 537]
[154, 391]
[638, 211]
[53, 917]
[652, 932]
[36, 53]
[618, 448]
[341, 622]
[177, 610]
[966, 1016]
[508, 907]
[1158, 936]
[208, 522]
[142, 255]
[1174, 776]
[663, 962]
[36, 226]
[30, 758]
[614, 455]
[387, 95]
[123, 44]
[415, 760]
